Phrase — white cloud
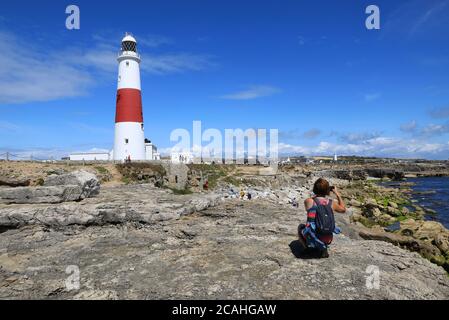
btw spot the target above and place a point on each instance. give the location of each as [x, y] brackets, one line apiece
[9, 127]
[33, 153]
[176, 63]
[153, 41]
[427, 15]
[416, 17]
[33, 74]
[253, 92]
[438, 113]
[435, 130]
[358, 137]
[380, 147]
[409, 126]
[91, 129]
[369, 97]
[312, 133]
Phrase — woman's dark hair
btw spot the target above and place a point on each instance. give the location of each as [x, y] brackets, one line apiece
[321, 187]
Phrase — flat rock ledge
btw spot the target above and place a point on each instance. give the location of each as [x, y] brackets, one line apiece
[131, 203]
[73, 186]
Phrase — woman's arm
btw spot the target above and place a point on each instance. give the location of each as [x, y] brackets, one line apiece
[308, 203]
[338, 205]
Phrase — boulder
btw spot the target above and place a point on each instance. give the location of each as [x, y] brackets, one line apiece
[72, 186]
[442, 242]
[385, 173]
[87, 181]
[393, 204]
[425, 230]
[14, 182]
[34, 195]
[393, 211]
[424, 248]
[354, 203]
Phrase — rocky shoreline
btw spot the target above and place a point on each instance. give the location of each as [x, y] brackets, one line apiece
[390, 215]
[157, 234]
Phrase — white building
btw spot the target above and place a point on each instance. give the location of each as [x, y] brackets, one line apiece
[151, 152]
[90, 156]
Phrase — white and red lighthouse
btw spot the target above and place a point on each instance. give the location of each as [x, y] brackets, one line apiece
[129, 141]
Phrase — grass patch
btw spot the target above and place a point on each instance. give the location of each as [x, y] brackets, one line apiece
[40, 181]
[367, 222]
[232, 180]
[101, 170]
[401, 218]
[213, 172]
[181, 191]
[126, 180]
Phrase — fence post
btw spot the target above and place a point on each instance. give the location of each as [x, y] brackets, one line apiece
[7, 156]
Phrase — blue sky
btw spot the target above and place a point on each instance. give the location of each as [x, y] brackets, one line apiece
[308, 68]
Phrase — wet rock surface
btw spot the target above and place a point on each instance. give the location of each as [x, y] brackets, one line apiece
[223, 250]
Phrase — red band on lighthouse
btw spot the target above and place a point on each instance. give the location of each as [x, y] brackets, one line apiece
[129, 106]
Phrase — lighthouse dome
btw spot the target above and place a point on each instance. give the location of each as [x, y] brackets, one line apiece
[129, 43]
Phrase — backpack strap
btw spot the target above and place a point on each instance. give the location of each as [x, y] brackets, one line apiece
[329, 202]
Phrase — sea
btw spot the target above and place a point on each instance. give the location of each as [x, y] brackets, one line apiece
[432, 193]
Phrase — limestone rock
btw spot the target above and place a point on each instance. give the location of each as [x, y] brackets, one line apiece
[14, 181]
[33, 195]
[393, 204]
[87, 181]
[393, 211]
[234, 250]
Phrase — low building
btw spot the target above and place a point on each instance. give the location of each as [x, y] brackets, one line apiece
[151, 151]
[90, 156]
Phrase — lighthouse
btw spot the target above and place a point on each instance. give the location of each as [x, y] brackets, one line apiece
[129, 140]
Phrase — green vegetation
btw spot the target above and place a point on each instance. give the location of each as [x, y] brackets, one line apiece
[141, 172]
[126, 180]
[101, 170]
[40, 181]
[369, 223]
[232, 180]
[181, 191]
[213, 172]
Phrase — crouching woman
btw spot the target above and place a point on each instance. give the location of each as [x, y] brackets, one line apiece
[317, 234]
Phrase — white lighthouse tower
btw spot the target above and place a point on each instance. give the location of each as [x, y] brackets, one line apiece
[129, 141]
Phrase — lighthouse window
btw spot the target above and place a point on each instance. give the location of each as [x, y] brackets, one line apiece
[129, 46]
[127, 63]
[126, 141]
